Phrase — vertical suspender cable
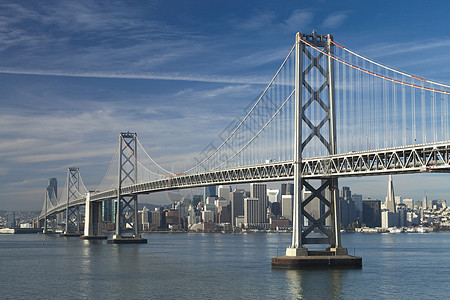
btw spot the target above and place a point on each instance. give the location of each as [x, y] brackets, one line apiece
[344, 109]
[394, 115]
[404, 115]
[413, 100]
[423, 117]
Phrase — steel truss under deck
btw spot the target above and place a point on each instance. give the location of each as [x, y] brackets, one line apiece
[402, 160]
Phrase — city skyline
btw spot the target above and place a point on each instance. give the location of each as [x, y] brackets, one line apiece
[74, 75]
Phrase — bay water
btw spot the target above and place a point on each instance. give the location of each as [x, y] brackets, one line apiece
[219, 266]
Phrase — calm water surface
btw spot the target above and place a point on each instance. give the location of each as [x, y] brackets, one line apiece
[226, 266]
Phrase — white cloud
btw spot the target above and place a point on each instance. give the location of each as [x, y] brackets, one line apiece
[258, 22]
[335, 20]
[388, 49]
[297, 20]
[149, 76]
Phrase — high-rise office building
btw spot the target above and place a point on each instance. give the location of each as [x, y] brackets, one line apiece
[390, 198]
[192, 218]
[208, 216]
[107, 211]
[144, 219]
[252, 212]
[287, 189]
[196, 199]
[172, 217]
[388, 219]
[210, 191]
[402, 216]
[52, 190]
[372, 212]
[273, 195]
[275, 208]
[259, 191]
[409, 203]
[286, 206]
[237, 205]
[224, 214]
[438, 204]
[424, 202]
[224, 192]
[357, 199]
[347, 207]
[157, 219]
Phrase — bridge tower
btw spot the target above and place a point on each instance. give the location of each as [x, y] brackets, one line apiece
[327, 191]
[72, 213]
[127, 206]
[48, 220]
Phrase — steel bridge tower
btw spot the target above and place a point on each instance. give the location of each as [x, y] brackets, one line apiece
[127, 206]
[327, 191]
[47, 221]
[72, 213]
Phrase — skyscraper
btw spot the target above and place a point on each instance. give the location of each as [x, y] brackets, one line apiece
[224, 192]
[390, 198]
[287, 189]
[252, 212]
[259, 191]
[210, 191]
[372, 212]
[347, 207]
[424, 202]
[286, 206]
[273, 195]
[52, 190]
[237, 205]
[107, 211]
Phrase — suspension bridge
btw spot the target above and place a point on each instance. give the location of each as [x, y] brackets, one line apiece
[328, 112]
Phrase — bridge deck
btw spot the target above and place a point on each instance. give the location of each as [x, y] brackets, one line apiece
[433, 157]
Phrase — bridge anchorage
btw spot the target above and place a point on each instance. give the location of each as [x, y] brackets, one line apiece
[322, 95]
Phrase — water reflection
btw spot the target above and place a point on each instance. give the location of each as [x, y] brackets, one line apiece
[86, 269]
[315, 284]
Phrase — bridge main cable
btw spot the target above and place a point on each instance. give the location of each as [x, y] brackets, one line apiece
[381, 76]
[388, 68]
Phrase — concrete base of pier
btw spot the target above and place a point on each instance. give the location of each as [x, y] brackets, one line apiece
[126, 240]
[317, 259]
[70, 234]
[93, 237]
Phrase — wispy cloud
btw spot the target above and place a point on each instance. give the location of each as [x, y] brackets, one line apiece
[257, 22]
[335, 20]
[299, 18]
[388, 49]
[150, 76]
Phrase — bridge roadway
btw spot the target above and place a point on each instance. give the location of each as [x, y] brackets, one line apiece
[431, 157]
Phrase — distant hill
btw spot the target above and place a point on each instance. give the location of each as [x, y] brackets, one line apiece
[150, 206]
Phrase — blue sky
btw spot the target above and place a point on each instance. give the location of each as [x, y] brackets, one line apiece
[73, 74]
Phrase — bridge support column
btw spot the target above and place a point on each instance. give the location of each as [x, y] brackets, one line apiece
[127, 204]
[48, 222]
[45, 230]
[72, 213]
[307, 228]
[93, 220]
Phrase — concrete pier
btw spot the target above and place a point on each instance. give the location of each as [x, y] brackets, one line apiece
[317, 259]
[70, 234]
[93, 237]
[126, 240]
